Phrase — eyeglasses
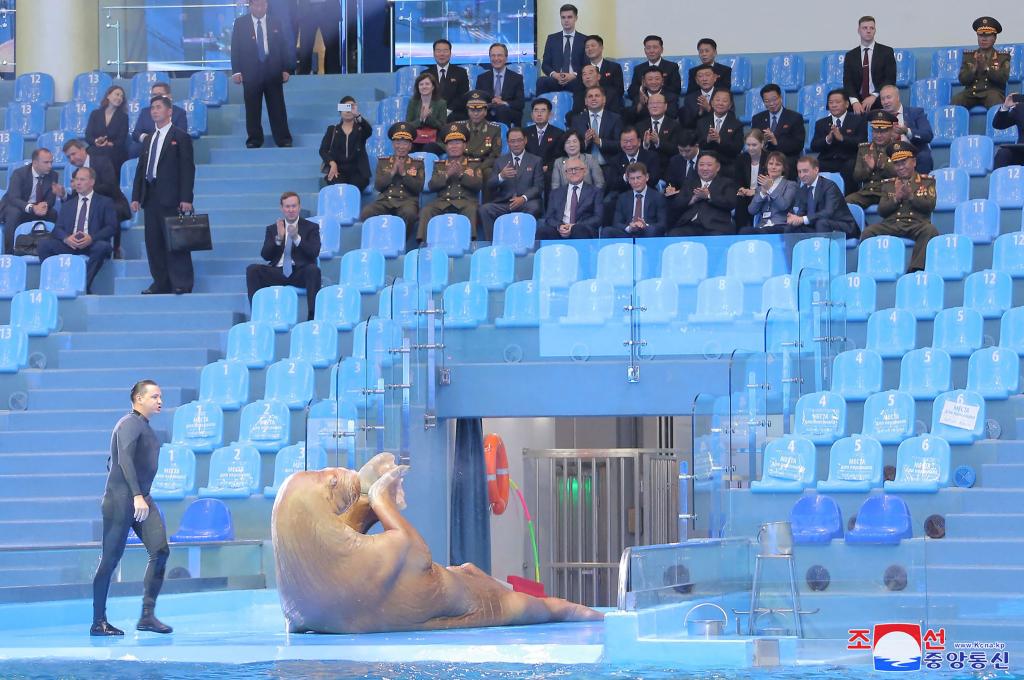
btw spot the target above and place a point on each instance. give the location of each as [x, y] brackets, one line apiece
[576, 169]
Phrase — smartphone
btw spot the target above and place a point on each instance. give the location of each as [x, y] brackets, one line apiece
[345, 108]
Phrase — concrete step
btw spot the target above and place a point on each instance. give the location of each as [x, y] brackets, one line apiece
[1003, 476]
[138, 358]
[258, 214]
[233, 283]
[58, 440]
[1001, 552]
[46, 509]
[53, 532]
[208, 265]
[166, 321]
[101, 398]
[255, 172]
[266, 201]
[47, 485]
[83, 378]
[985, 525]
[992, 500]
[171, 304]
[234, 141]
[144, 339]
[274, 185]
[66, 463]
[974, 578]
[75, 419]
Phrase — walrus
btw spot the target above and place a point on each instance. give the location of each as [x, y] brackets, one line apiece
[334, 578]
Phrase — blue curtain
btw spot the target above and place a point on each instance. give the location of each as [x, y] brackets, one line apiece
[470, 515]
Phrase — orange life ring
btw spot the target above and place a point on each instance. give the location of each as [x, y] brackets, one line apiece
[496, 461]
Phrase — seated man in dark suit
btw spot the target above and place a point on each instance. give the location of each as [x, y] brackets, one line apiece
[610, 72]
[452, 80]
[707, 50]
[515, 185]
[563, 54]
[85, 226]
[590, 77]
[615, 172]
[107, 182]
[820, 206]
[658, 131]
[682, 167]
[31, 193]
[838, 135]
[599, 127]
[783, 129]
[697, 102]
[654, 83]
[639, 212]
[505, 87]
[543, 138]
[721, 131]
[912, 126]
[1009, 114]
[708, 201]
[654, 46]
[574, 211]
[144, 125]
[291, 247]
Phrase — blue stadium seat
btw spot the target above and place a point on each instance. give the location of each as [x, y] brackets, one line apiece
[518, 231]
[385, 233]
[889, 416]
[1016, 54]
[391, 110]
[225, 383]
[994, 372]
[35, 312]
[133, 108]
[929, 93]
[883, 258]
[925, 373]
[685, 262]
[752, 105]
[591, 302]
[789, 466]
[401, 302]
[206, 520]
[198, 425]
[528, 70]
[952, 187]
[958, 331]
[428, 159]
[522, 306]
[749, 261]
[28, 120]
[293, 459]
[1007, 136]
[719, 298]
[91, 86]
[786, 71]
[143, 82]
[658, 300]
[13, 274]
[620, 264]
[857, 374]
[375, 340]
[451, 233]
[857, 292]
[234, 472]
[950, 256]
[742, 74]
[948, 123]
[989, 292]
[291, 382]
[315, 342]
[815, 520]
[854, 466]
[175, 473]
[13, 349]
[837, 178]
[556, 266]
[427, 267]
[277, 306]
[63, 275]
[377, 146]
[892, 332]
[330, 237]
[858, 214]
[946, 62]
[1007, 254]
[266, 425]
[778, 295]
[881, 520]
[27, 228]
[252, 343]
[209, 87]
[811, 100]
[34, 88]
[494, 267]
[339, 305]
[1006, 187]
[819, 253]
[54, 141]
[921, 294]
[958, 416]
[906, 67]
[405, 78]
[355, 380]
[74, 117]
[1011, 330]
[973, 153]
[197, 116]
[340, 201]
[128, 175]
[465, 305]
[832, 68]
[363, 270]
[821, 417]
[922, 465]
[561, 104]
[12, 149]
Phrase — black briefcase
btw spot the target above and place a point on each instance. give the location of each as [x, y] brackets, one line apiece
[188, 232]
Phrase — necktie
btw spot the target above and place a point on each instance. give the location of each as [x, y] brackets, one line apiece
[638, 207]
[498, 77]
[286, 266]
[153, 149]
[775, 121]
[38, 191]
[540, 136]
[515, 162]
[718, 123]
[865, 76]
[632, 159]
[261, 51]
[442, 73]
[567, 55]
[82, 213]
[836, 122]
[810, 201]
[657, 124]
[689, 168]
[574, 203]
[594, 122]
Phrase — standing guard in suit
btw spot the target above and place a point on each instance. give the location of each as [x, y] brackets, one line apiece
[291, 247]
[783, 128]
[324, 15]
[873, 164]
[574, 211]
[505, 87]
[908, 200]
[639, 212]
[721, 132]
[483, 145]
[259, 62]
[707, 50]
[398, 182]
[1011, 113]
[868, 68]
[457, 181]
[984, 71]
[452, 80]
[819, 207]
[837, 137]
[31, 194]
[515, 185]
[563, 54]
[707, 201]
[164, 183]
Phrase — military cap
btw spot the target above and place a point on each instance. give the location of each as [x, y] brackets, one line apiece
[455, 131]
[401, 130]
[987, 26]
[882, 120]
[686, 137]
[476, 99]
[901, 150]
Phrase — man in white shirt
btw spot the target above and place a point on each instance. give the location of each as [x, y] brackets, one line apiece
[912, 126]
[259, 62]
[867, 68]
[563, 54]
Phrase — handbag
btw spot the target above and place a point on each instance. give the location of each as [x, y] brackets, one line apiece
[26, 244]
[188, 232]
[425, 135]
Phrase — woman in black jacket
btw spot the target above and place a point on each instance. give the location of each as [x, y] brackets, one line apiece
[749, 167]
[343, 148]
[106, 133]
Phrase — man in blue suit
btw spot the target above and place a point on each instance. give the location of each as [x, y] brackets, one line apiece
[505, 87]
[1009, 114]
[639, 212]
[912, 126]
[516, 185]
[85, 226]
[574, 211]
[599, 127]
[819, 207]
[563, 54]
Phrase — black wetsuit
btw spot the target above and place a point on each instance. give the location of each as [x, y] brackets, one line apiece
[134, 454]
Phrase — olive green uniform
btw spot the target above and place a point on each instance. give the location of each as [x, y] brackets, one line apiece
[398, 194]
[871, 180]
[484, 145]
[908, 218]
[984, 83]
[459, 193]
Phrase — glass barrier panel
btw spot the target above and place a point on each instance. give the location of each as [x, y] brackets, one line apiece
[711, 466]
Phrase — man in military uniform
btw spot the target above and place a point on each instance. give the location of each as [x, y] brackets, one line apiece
[873, 164]
[984, 71]
[399, 181]
[908, 200]
[457, 182]
[484, 142]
